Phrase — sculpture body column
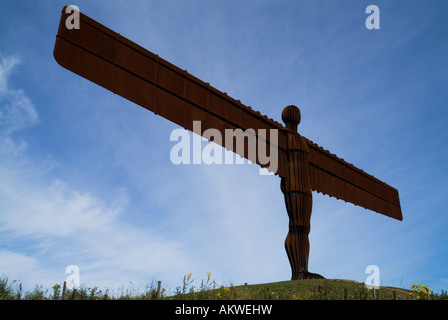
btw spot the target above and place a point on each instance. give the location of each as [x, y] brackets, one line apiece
[296, 187]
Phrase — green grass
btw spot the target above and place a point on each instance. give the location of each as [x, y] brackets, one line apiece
[306, 290]
[208, 290]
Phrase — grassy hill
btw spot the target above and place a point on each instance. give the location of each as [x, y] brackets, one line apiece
[326, 289]
[302, 290]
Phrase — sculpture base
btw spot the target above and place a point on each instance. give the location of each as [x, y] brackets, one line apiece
[305, 276]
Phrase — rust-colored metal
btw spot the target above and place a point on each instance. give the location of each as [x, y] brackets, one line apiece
[106, 58]
[296, 188]
[123, 67]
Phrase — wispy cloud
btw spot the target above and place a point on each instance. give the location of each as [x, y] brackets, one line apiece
[78, 228]
[17, 112]
[65, 224]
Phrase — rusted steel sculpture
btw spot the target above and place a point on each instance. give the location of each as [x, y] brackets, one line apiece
[123, 67]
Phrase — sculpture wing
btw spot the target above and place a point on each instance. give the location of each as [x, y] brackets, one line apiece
[337, 178]
[103, 56]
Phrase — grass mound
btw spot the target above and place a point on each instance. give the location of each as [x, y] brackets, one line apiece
[325, 289]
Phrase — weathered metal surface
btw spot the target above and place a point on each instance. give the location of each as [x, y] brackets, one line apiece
[335, 177]
[123, 67]
[105, 57]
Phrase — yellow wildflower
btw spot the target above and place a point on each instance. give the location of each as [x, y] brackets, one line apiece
[420, 291]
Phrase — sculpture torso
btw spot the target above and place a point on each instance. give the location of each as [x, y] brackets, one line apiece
[298, 172]
[297, 186]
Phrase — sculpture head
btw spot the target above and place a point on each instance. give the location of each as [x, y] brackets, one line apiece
[291, 117]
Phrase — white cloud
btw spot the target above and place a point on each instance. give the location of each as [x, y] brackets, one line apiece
[21, 268]
[46, 224]
[52, 211]
[67, 226]
[59, 222]
[10, 260]
[6, 65]
[17, 112]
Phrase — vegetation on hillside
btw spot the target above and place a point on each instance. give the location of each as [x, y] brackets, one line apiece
[209, 290]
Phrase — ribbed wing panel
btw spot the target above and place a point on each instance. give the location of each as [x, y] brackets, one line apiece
[103, 56]
[337, 178]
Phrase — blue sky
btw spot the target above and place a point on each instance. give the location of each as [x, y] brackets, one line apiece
[86, 177]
